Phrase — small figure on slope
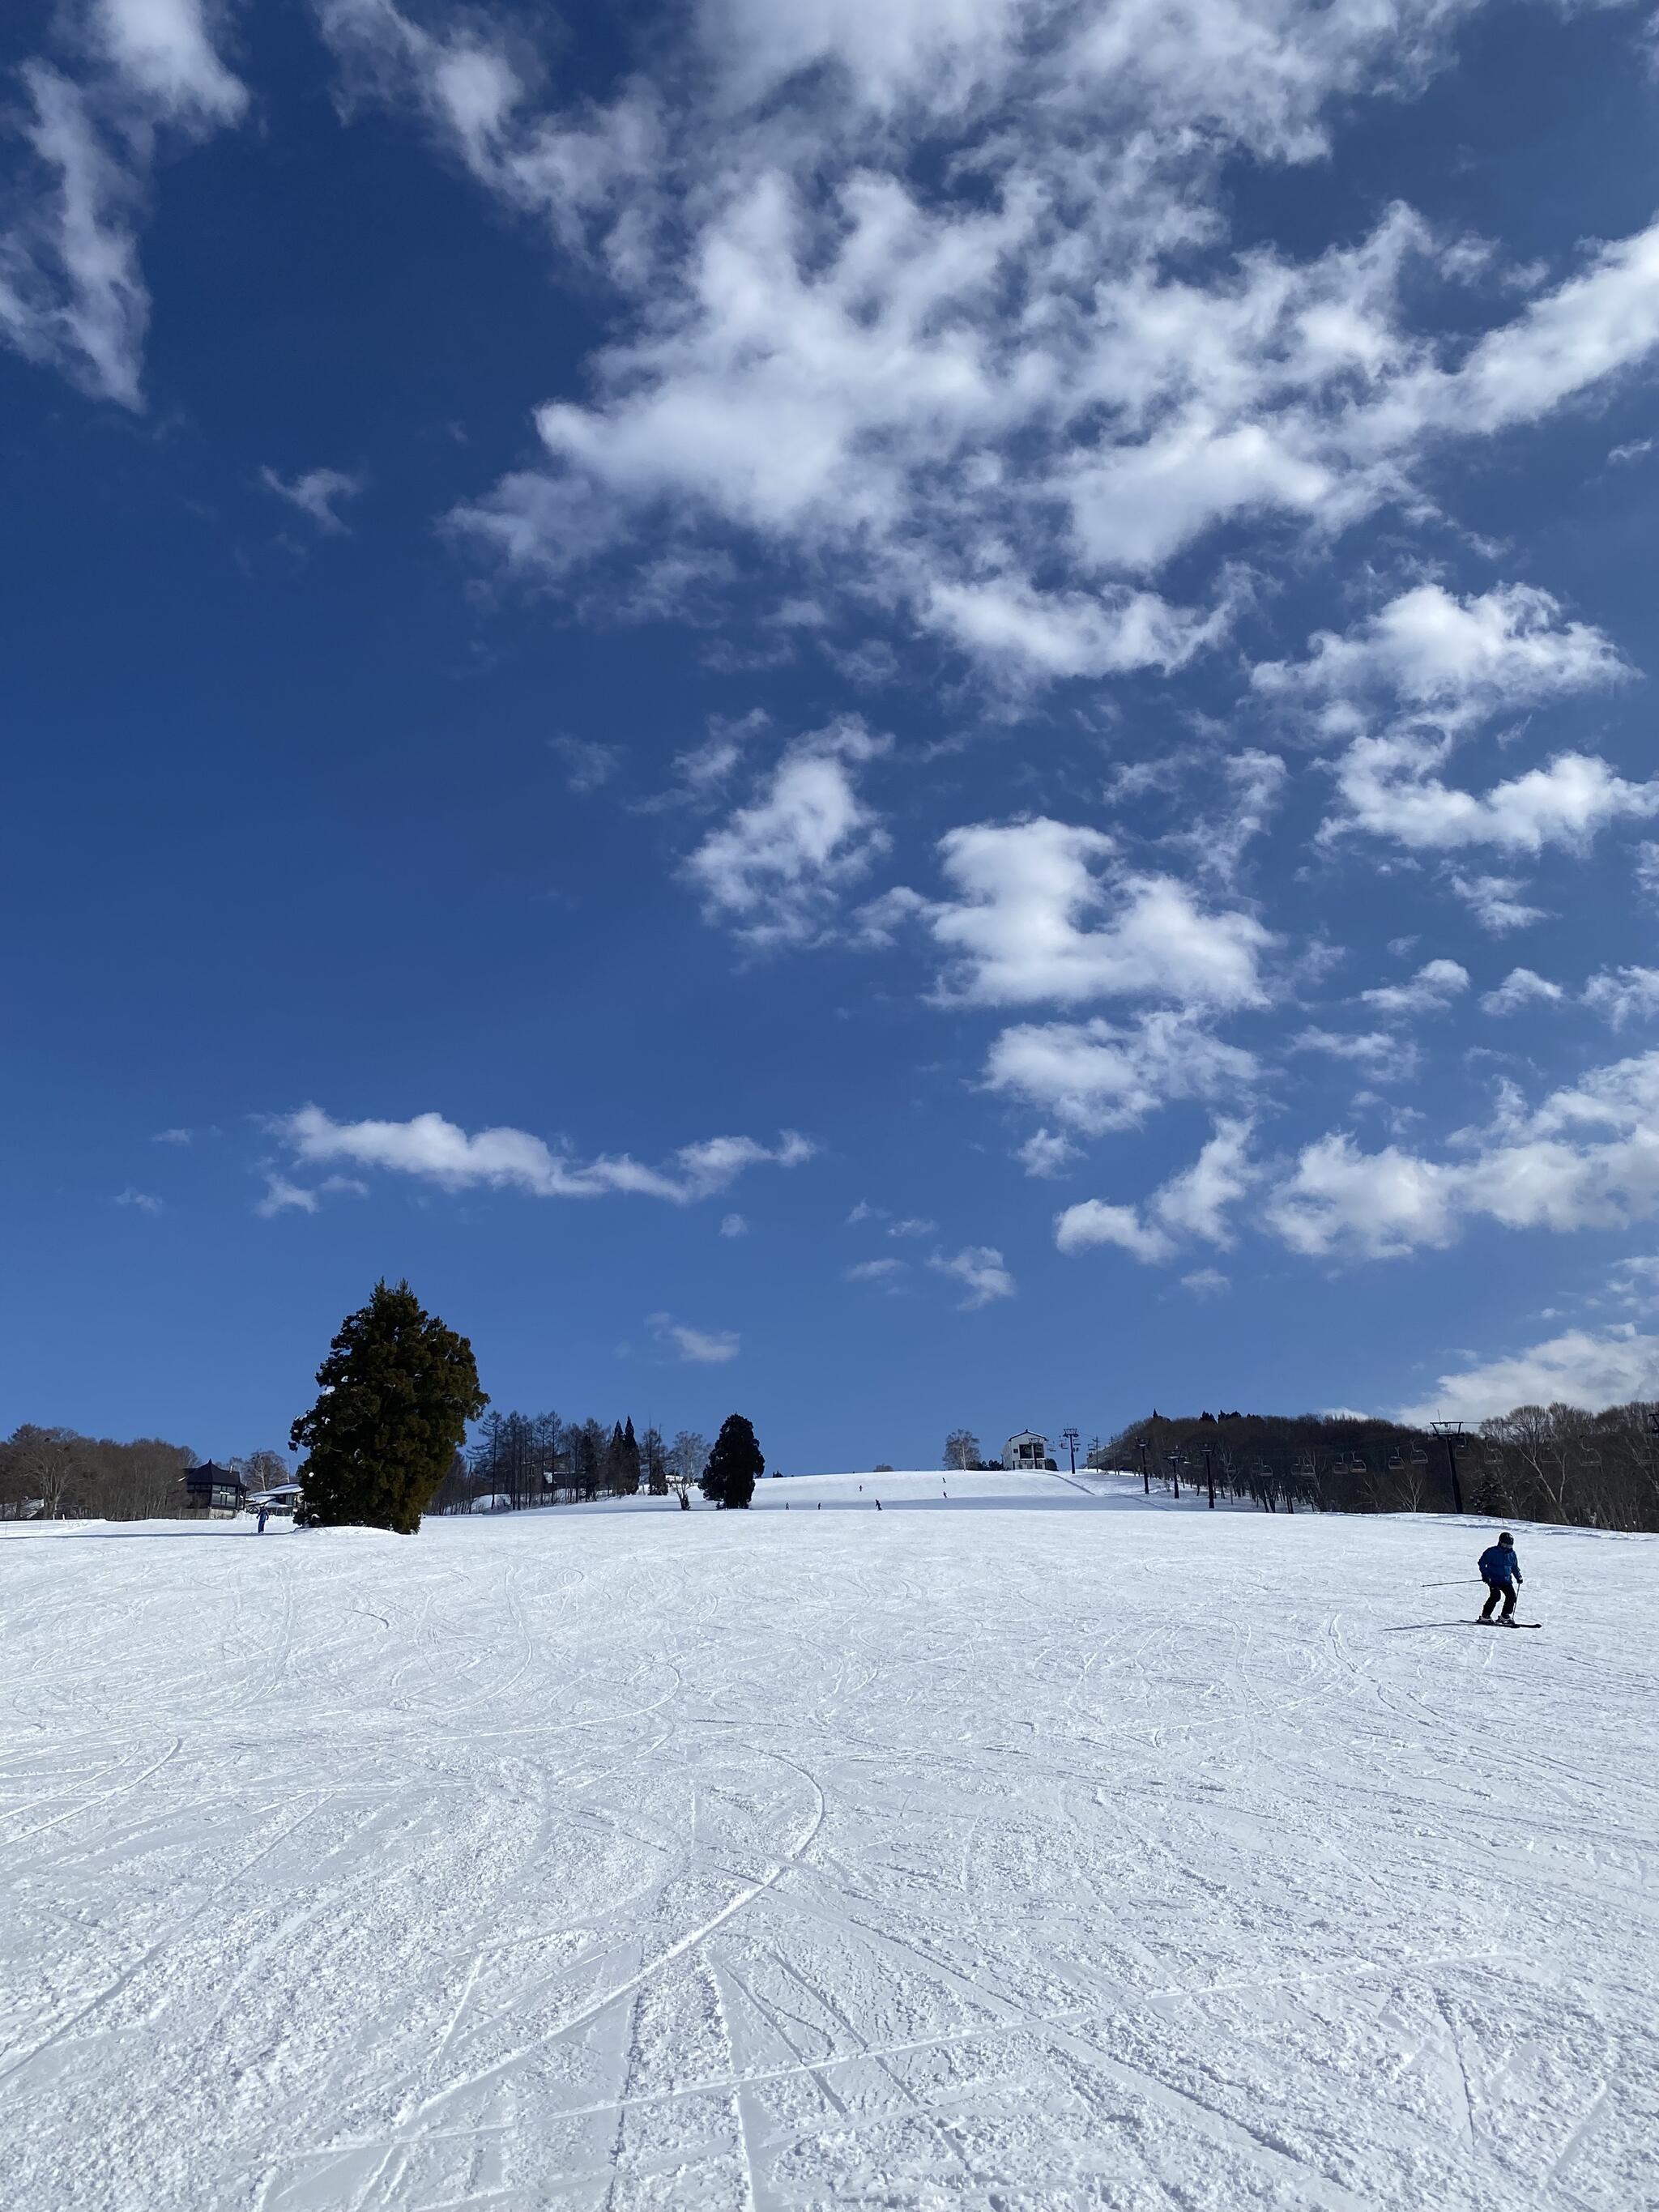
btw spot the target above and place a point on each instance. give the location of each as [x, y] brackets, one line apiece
[1500, 1571]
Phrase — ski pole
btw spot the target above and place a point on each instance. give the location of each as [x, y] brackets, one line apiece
[1458, 1584]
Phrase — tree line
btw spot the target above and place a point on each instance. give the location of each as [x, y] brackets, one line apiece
[520, 1460]
[523, 1460]
[382, 1444]
[1555, 1463]
[57, 1473]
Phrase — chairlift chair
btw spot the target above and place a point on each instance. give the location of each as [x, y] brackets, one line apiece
[1419, 1457]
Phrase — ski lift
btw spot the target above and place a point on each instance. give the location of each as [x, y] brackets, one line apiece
[1395, 1462]
[1419, 1457]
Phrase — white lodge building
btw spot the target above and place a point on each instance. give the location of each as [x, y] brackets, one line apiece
[1027, 1449]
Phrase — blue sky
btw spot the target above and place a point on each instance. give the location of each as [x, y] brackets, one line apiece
[897, 711]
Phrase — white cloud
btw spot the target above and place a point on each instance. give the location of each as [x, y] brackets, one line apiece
[436, 1151]
[164, 51]
[1384, 1055]
[985, 400]
[1010, 625]
[1519, 989]
[980, 1270]
[1450, 661]
[1574, 1369]
[1192, 1203]
[886, 52]
[1623, 995]
[1195, 1202]
[1379, 1203]
[1568, 341]
[1587, 1157]
[147, 74]
[913, 1227]
[700, 1347]
[889, 1272]
[1017, 933]
[774, 869]
[1097, 1076]
[282, 1195]
[1255, 784]
[1430, 991]
[1634, 449]
[1390, 787]
[1094, 1222]
[1206, 1283]
[181, 1137]
[143, 1201]
[733, 1224]
[1495, 903]
[1046, 1152]
[317, 494]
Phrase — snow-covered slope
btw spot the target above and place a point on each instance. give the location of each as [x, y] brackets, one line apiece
[1088, 1856]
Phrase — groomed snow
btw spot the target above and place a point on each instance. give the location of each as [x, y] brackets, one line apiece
[1059, 1853]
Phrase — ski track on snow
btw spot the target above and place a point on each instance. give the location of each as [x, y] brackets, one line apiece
[1045, 1848]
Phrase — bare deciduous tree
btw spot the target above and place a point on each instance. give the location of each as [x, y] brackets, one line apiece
[688, 1455]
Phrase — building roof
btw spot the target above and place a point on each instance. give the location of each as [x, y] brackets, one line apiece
[209, 1476]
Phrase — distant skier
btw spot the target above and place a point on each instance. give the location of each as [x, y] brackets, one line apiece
[1500, 1571]
[263, 1512]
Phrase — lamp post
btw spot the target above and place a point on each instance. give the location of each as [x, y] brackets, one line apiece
[1451, 1435]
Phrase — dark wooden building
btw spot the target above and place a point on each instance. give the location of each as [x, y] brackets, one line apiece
[215, 1492]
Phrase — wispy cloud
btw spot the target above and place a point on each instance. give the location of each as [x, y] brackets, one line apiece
[589, 765]
[138, 82]
[980, 1271]
[436, 1151]
[318, 494]
[773, 870]
[699, 1346]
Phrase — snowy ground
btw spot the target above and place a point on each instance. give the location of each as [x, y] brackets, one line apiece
[1086, 1855]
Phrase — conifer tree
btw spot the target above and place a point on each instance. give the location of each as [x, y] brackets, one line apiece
[734, 1465]
[587, 1457]
[397, 1389]
[629, 1462]
[653, 1461]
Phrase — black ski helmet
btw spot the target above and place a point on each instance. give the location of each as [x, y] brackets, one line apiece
[1505, 1537]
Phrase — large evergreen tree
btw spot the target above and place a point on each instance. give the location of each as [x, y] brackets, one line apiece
[397, 1389]
[628, 1463]
[735, 1464]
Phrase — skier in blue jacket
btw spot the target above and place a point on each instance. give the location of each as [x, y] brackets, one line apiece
[1500, 1571]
